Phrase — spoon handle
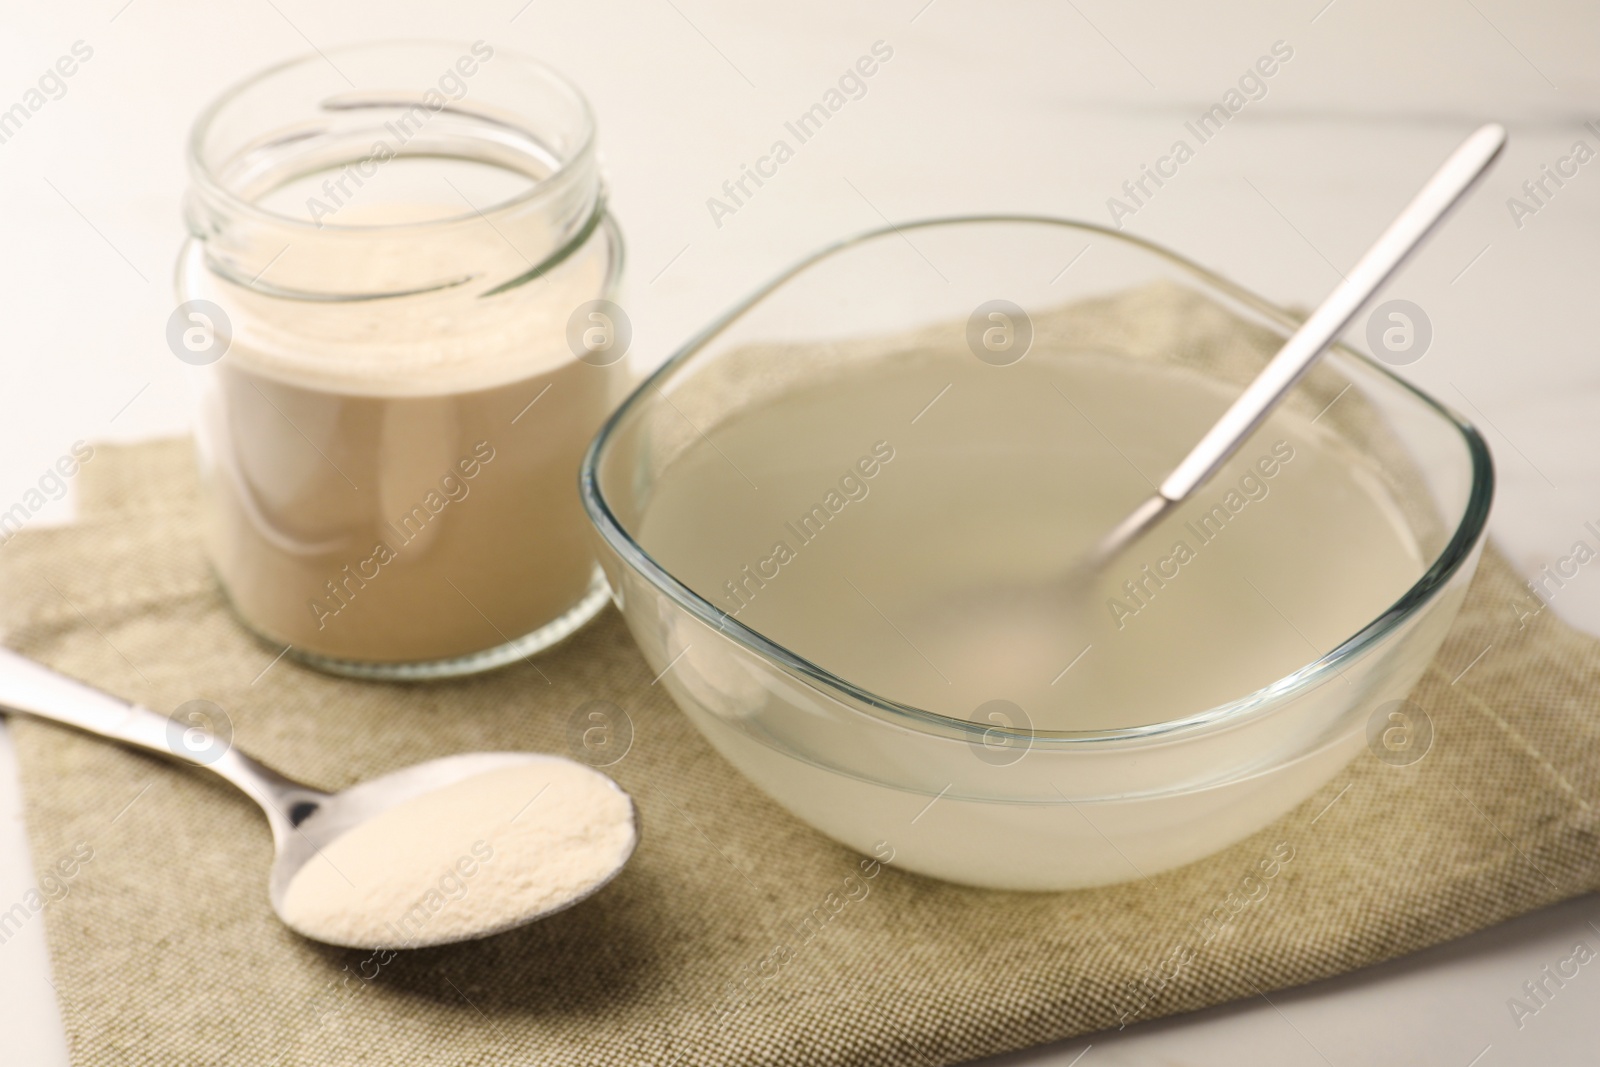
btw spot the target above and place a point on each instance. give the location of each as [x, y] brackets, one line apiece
[30, 688]
[33, 689]
[1410, 228]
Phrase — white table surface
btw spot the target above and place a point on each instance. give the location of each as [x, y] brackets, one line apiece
[1044, 107]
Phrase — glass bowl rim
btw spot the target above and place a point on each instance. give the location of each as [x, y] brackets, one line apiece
[1455, 554]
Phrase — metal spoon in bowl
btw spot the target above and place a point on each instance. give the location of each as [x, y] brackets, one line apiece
[304, 821]
[1452, 181]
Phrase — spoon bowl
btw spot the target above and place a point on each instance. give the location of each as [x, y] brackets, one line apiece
[316, 820]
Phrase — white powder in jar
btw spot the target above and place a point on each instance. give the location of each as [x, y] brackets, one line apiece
[466, 860]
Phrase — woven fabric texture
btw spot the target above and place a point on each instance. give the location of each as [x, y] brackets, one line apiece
[165, 950]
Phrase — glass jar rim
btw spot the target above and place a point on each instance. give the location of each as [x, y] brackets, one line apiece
[205, 179]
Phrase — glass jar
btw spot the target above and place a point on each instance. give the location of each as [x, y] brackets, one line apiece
[397, 285]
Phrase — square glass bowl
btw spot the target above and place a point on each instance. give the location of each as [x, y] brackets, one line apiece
[988, 797]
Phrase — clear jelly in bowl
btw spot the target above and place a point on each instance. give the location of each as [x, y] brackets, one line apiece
[986, 793]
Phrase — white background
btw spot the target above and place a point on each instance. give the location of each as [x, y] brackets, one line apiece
[1041, 107]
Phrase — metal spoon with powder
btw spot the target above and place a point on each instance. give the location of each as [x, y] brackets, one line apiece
[448, 850]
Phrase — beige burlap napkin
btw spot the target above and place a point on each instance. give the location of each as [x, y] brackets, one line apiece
[165, 951]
